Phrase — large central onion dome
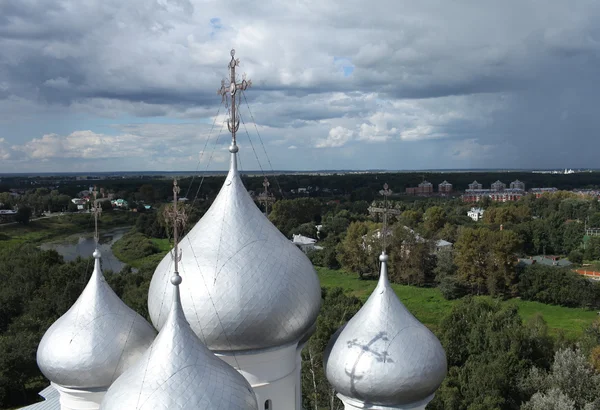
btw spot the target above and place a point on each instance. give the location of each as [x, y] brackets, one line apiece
[247, 286]
[384, 356]
[96, 340]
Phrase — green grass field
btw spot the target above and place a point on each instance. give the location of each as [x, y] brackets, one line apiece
[429, 306]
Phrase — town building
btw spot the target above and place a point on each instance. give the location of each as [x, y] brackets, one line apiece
[517, 185]
[7, 215]
[547, 260]
[498, 186]
[445, 187]
[475, 185]
[476, 214]
[442, 245]
[506, 195]
[424, 188]
[538, 192]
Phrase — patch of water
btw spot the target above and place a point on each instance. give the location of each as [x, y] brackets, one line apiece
[83, 245]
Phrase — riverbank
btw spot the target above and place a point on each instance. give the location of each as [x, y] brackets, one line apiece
[55, 229]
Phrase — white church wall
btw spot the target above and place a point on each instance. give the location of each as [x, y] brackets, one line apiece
[75, 399]
[272, 374]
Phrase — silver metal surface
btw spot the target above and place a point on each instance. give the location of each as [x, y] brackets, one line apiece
[384, 355]
[247, 287]
[96, 340]
[178, 372]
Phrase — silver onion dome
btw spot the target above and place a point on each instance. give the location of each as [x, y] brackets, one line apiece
[96, 340]
[384, 356]
[179, 373]
[247, 286]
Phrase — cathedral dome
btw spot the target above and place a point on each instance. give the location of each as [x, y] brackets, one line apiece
[384, 356]
[178, 372]
[247, 286]
[96, 340]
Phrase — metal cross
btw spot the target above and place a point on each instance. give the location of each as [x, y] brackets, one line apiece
[266, 197]
[233, 122]
[96, 210]
[385, 211]
[178, 217]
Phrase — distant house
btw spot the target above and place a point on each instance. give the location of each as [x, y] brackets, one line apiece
[538, 192]
[475, 185]
[119, 203]
[475, 214]
[445, 187]
[498, 186]
[442, 245]
[424, 188]
[548, 260]
[305, 243]
[517, 185]
[7, 215]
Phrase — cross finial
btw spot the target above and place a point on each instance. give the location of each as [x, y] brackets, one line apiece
[177, 217]
[233, 122]
[385, 192]
[96, 210]
[266, 197]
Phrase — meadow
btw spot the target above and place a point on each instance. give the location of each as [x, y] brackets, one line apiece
[429, 306]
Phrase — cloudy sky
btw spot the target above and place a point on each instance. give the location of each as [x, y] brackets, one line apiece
[104, 85]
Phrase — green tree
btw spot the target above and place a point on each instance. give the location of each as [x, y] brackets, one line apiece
[336, 310]
[23, 215]
[486, 260]
[434, 219]
[289, 213]
[571, 380]
[489, 350]
[359, 249]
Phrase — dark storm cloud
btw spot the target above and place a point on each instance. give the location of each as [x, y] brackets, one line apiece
[463, 76]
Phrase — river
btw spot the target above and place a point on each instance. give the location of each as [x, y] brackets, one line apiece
[83, 245]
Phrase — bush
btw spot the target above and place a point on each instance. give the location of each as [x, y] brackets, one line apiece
[451, 288]
[576, 256]
[134, 246]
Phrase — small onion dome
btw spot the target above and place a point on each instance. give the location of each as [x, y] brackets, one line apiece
[178, 373]
[384, 356]
[247, 286]
[96, 340]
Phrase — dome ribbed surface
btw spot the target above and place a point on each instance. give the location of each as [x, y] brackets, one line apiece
[384, 356]
[179, 373]
[247, 286]
[96, 340]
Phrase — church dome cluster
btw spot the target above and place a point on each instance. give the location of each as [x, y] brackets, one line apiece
[233, 304]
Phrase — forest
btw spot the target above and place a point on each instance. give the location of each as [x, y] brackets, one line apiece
[496, 359]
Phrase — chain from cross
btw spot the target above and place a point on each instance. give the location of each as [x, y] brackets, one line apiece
[96, 210]
[178, 217]
[233, 122]
[266, 197]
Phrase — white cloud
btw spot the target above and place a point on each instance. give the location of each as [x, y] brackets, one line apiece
[337, 137]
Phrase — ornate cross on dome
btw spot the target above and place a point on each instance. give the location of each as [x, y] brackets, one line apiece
[96, 210]
[385, 192]
[266, 197]
[233, 122]
[385, 211]
[178, 217]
